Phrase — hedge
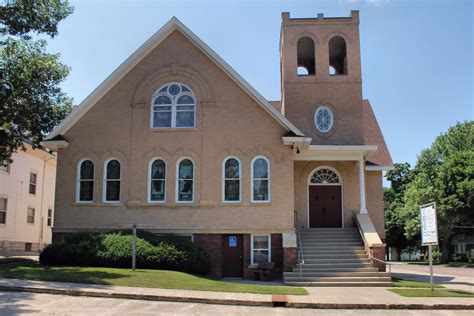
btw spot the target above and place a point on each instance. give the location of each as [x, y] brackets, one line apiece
[114, 249]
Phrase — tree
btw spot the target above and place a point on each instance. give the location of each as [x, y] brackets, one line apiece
[31, 101]
[400, 177]
[444, 174]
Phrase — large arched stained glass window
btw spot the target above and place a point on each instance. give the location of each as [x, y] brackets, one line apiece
[174, 106]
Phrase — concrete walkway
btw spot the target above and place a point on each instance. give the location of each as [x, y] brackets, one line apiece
[453, 278]
[320, 297]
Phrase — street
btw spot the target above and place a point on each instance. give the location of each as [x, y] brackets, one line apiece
[18, 303]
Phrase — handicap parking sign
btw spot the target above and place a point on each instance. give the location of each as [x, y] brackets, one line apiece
[232, 241]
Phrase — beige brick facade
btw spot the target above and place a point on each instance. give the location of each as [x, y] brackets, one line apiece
[231, 120]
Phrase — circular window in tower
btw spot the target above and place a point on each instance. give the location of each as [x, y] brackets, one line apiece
[323, 119]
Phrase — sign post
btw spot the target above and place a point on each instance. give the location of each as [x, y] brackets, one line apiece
[429, 232]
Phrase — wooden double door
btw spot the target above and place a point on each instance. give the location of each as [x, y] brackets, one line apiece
[325, 206]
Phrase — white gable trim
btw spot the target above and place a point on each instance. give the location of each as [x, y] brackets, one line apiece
[144, 50]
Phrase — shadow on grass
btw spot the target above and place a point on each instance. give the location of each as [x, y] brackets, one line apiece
[426, 278]
[39, 272]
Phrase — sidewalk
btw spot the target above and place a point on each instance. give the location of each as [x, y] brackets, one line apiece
[320, 297]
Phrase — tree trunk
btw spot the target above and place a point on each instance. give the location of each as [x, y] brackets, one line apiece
[445, 245]
[399, 253]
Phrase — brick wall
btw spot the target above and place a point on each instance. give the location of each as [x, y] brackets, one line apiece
[212, 243]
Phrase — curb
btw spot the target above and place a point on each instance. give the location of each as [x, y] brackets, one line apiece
[265, 303]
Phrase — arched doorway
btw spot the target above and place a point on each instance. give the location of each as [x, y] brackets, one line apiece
[325, 198]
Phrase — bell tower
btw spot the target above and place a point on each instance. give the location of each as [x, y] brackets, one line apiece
[321, 77]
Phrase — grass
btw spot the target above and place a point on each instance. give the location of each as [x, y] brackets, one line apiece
[397, 282]
[139, 278]
[429, 293]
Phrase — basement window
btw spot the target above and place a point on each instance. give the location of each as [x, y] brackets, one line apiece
[261, 249]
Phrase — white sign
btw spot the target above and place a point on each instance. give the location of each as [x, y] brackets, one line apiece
[429, 224]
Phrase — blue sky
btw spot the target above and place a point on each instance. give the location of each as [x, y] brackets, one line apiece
[417, 56]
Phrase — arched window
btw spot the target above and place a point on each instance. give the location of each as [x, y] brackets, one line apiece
[173, 106]
[157, 181]
[325, 176]
[260, 179]
[85, 181]
[337, 56]
[306, 57]
[231, 180]
[112, 179]
[185, 181]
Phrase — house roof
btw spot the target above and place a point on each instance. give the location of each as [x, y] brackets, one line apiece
[172, 25]
[373, 136]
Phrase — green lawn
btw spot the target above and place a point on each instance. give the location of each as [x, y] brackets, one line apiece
[429, 293]
[460, 265]
[397, 282]
[139, 278]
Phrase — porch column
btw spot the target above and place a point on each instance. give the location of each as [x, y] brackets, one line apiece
[363, 209]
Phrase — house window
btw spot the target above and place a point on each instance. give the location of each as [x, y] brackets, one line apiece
[49, 221]
[231, 180]
[157, 181]
[261, 249]
[260, 180]
[30, 215]
[112, 181]
[3, 211]
[32, 187]
[5, 167]
[460, 249]
[185, 181]
[323, 119]
[85, 181]
[174, 106]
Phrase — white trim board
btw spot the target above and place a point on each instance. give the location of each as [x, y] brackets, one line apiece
[172, 25]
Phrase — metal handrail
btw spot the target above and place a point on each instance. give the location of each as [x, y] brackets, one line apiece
[367, 249]
[299, 245]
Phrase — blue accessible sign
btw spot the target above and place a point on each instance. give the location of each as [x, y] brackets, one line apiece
[232, 241]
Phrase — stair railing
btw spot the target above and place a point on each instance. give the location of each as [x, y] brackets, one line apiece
[299, 245]
[367, 248]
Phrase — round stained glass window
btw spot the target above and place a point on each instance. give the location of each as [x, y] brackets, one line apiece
[323, 119]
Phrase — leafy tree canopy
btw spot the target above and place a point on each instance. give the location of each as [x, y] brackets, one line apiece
[444, 174]
[31, 101]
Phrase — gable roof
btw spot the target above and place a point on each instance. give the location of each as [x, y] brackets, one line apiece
[373, 136]
[172, 25]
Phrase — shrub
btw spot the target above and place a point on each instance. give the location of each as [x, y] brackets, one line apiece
[436, 255]
[114, 250]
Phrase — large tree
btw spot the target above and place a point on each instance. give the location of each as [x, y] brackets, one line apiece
[444, 174]
[31, 101]
[400, 177]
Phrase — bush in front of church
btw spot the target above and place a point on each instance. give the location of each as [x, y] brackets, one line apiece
[115, 250]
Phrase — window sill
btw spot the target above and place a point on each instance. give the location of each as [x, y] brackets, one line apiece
[173, 129]
[98, 204]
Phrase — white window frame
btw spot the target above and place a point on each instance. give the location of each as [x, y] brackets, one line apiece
[34, 214]
[173, 105]
[252, 248]
[318, 109]
[104, 188]
[31, 183]
[79, 180]
[252, 180]
[232, 179]
[5, 210]
[149, 200]
[460, 246]
[177, 181]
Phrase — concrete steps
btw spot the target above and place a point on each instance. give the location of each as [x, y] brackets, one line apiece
[335, 257]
